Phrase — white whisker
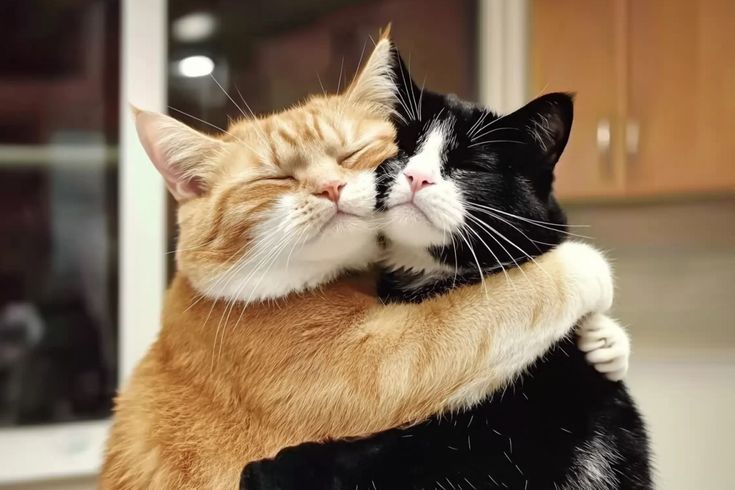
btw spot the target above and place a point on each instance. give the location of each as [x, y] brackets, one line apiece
[491, 123]
[507, 277]
[490, 131]
[321, 84]
[471, 131]
[271, 254]
[477, 262]
[421, 97]
[228, 95]
[413, 94]
[481, 143]
[217, 128]
[541, 224]
[511, 242]
[482, 228]
[339, 80]
[263, 136]
[411, 114]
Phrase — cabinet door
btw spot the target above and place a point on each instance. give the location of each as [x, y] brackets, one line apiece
[681, 96]
[576, 47]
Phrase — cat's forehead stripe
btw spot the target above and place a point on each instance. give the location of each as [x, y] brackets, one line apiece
[434, 142]
[429, 156]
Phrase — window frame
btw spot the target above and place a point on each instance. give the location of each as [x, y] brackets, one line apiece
[76, 449]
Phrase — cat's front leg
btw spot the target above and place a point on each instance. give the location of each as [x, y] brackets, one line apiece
[606, 344]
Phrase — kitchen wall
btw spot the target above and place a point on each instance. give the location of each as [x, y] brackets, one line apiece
[675, 268]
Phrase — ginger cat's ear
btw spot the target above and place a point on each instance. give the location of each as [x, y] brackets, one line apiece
[375, 84]
[181, 155]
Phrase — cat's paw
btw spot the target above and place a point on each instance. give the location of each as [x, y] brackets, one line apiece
[606, 344]
[588, 274]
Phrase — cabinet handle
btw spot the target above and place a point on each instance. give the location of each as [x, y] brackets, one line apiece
[604, 137]
[632, 137]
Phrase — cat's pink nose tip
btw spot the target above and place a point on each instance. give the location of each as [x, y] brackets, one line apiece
[418, 179]
[331, 190]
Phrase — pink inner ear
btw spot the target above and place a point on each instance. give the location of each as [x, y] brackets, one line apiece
[189, 189]
[151, 128]
[182, 189]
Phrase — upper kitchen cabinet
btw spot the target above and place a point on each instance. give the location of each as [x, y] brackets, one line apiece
[574, 49]
[655, 107]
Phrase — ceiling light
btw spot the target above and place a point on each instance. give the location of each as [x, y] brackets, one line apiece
[196, 66]
[193, 27]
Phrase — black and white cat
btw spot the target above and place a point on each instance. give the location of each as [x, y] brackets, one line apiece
[471, 193]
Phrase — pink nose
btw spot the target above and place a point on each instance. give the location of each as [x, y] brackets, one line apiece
[331, 190]
[417, 179]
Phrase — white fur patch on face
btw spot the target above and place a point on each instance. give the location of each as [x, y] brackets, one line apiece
[358, 196]
[303, 242]
[431, 215]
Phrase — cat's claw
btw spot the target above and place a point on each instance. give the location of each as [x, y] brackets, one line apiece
[606, 344]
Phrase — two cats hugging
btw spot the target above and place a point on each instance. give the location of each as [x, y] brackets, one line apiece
[273, 338]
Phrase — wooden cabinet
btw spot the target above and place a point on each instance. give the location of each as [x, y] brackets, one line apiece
[655, 109]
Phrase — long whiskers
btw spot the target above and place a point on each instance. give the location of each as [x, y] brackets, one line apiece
[491, 123]
[217, 128]
[413, 94]
[490, 131]
[505, 272]
[474, 255]
[262, 269]
[489, 230]
[481, 143]
[471, 131]
[541, 224]
[421, 97]
[263, 137]
[411, 113]
[266, 255]
[341, 68]
[485, 230]
[259, 130]
[321, 84]
[228, 95]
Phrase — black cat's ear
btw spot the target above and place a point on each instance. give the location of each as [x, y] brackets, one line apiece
[545, 123]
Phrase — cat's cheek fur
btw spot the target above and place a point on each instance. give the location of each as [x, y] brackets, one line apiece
[348, 241]
[300, 243]
[407, 225]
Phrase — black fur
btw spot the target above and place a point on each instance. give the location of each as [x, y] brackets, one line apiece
[562, 423]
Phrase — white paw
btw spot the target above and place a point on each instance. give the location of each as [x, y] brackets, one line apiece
[606, 344]
[589, 273]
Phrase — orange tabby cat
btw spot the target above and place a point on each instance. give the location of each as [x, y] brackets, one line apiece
[277, 209]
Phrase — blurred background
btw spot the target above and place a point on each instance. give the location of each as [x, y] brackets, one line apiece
[85, 225]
